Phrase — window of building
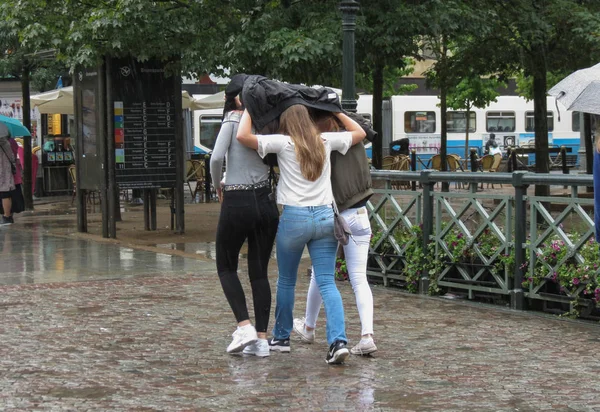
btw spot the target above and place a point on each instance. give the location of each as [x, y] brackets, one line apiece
[500, 121]
[456, 122]
[419, 122]
[530, 125]
[209, 129]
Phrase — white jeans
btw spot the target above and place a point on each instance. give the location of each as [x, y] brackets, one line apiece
[356, 253]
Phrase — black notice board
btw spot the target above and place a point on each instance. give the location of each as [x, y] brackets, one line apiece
[144, 114]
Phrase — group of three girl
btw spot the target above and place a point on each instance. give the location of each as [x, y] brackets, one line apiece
[303, 146]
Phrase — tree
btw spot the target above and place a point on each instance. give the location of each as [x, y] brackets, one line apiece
[472, 92]
[448, 23]
[301, 45]
[535, 37]
[387, 35]
[21, 57]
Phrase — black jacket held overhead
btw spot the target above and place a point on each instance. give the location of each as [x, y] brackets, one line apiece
[266, 99]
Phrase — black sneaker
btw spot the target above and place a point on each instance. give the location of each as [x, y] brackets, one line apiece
[279, 345]
[7, 220]
[337, 353]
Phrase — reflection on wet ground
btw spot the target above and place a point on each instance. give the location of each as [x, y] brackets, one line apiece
[31, 256]
[205, 249]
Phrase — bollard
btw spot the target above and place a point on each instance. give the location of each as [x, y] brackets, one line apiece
[427, 225]
[516, 294]
[563, 158]
[413, 167]
[207, 178]
[474, 168]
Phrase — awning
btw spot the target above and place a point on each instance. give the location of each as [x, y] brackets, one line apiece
[60, 101]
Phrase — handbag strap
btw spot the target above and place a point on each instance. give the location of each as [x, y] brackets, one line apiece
[8, 157]
[335, 208]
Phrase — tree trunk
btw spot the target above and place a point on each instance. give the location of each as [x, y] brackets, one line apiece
[589, 143]
[377, 146]
[27, 177]
[540, 113]
[467, 133]
[443, 110]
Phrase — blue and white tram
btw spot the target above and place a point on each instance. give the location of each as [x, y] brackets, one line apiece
[510, 119]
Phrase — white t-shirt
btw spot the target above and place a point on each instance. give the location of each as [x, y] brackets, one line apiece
[293, 188]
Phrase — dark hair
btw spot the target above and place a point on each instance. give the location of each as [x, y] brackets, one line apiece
[229, 105]
[233, 89]
[492, 136]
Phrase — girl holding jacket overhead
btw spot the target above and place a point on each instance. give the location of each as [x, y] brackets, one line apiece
[351, 183]
[305, 192]
[247, 213]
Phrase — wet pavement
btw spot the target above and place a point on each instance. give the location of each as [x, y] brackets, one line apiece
[97, 326]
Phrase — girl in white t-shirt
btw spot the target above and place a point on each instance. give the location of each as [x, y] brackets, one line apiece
[304, 190]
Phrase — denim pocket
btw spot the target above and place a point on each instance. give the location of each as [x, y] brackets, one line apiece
[293, 228]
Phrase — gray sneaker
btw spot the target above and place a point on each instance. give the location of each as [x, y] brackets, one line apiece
[7, 220]
[364, 347]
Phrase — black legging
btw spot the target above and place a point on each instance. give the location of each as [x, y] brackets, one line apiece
[247, 214]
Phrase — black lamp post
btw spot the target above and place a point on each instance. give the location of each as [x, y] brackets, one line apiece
[349, 9]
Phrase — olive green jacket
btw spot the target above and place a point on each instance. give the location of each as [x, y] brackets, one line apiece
[350, 177]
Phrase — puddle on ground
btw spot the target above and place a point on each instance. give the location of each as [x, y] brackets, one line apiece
[208, 249]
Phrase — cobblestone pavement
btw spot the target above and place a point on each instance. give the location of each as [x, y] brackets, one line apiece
[157, 342]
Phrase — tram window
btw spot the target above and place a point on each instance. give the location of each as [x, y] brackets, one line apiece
[209, 129]
[575, 121]
[529, 123]
[456, 122]
[419, 122]
[500, 121]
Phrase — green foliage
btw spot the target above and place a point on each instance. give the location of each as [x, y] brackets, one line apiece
[570, 275]
[414, 266]
[300, 43]
[525, 83]
[341, 270]
[472, 92]
[390, 80]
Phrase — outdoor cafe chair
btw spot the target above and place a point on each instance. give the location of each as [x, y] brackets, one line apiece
[402, 163]
[190, 175]
[90, 196]
[199, 175]
[454, 165]
[489, 164]
[387, 162]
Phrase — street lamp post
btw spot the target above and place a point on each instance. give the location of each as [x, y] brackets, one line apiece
[349, 9]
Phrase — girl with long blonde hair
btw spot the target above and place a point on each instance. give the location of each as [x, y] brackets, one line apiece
[305, 192]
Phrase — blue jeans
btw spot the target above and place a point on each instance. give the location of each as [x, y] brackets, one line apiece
[310, 226]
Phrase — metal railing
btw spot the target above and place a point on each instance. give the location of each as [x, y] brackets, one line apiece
[482, 242]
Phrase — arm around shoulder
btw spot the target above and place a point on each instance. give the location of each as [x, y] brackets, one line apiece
[358, 134]
[244, 133]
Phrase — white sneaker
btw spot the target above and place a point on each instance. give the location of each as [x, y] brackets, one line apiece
[307, 336]
[364, 347]
[259, 348]
[242, 337]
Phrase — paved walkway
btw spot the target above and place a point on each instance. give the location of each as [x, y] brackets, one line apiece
[90, 326]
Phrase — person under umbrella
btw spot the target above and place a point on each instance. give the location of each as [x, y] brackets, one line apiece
[7, 172]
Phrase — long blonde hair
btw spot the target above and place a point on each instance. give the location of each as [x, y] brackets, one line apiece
[310, 150]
